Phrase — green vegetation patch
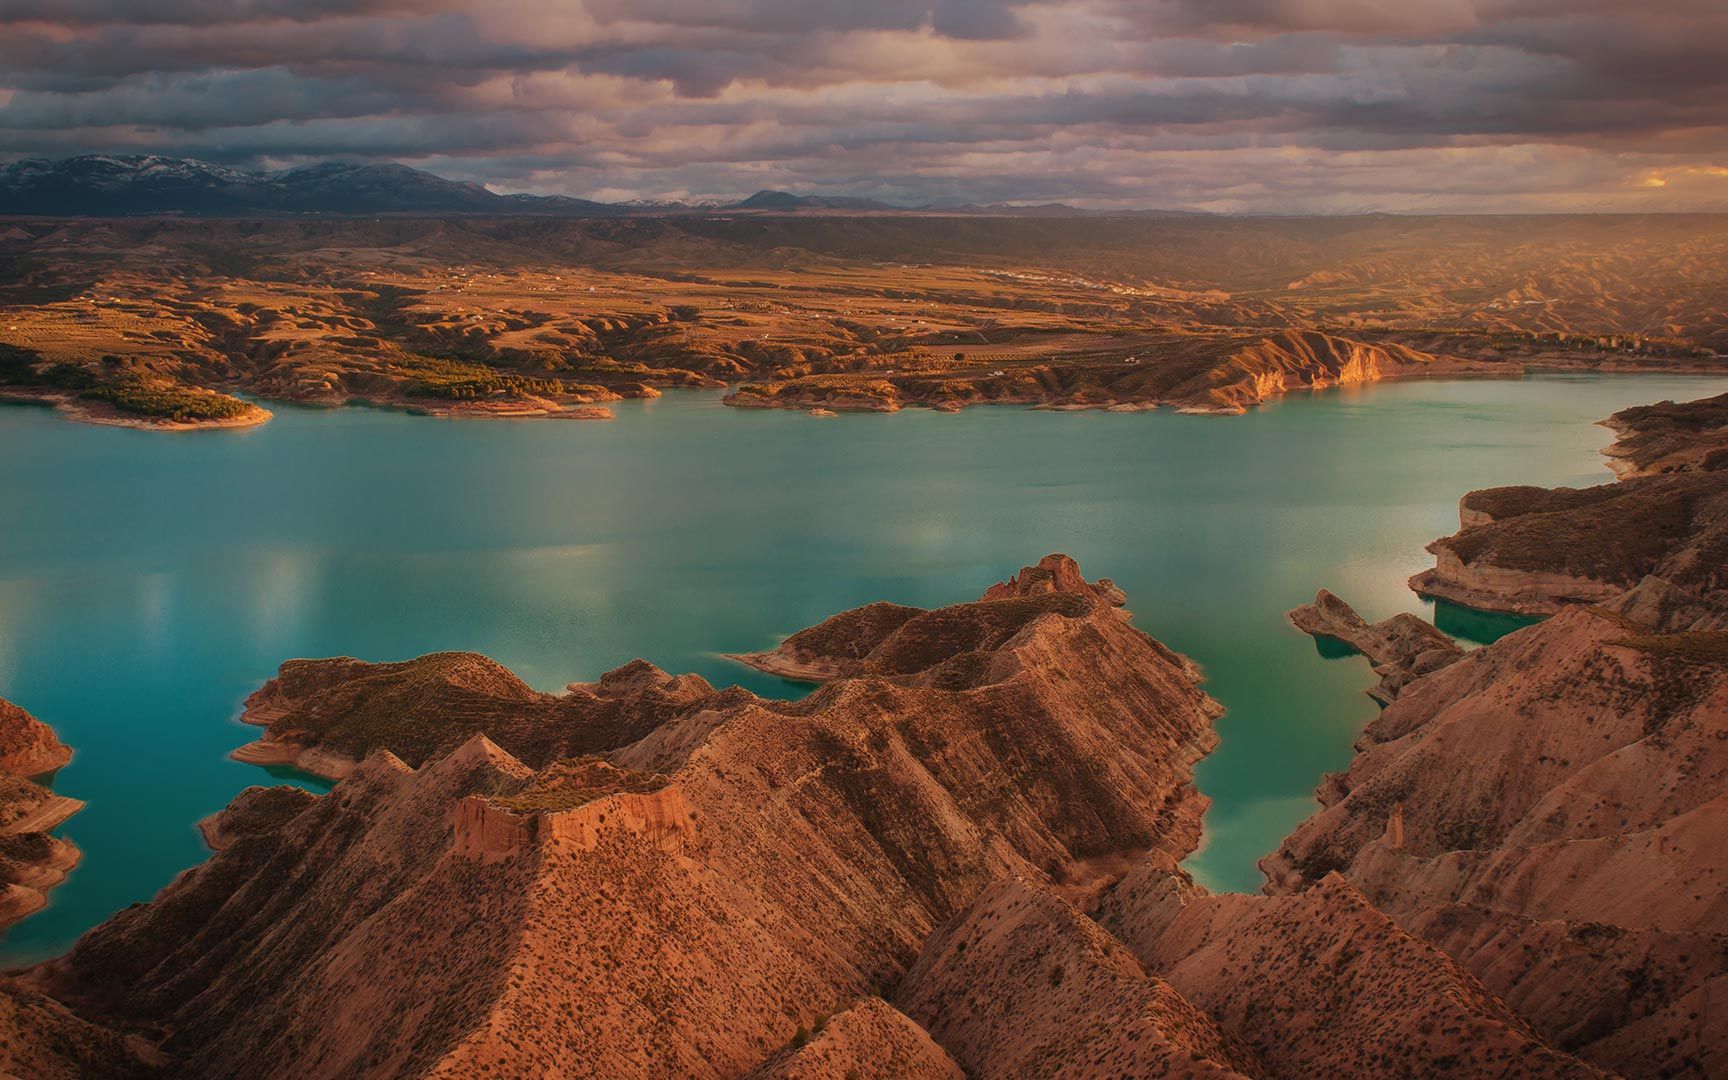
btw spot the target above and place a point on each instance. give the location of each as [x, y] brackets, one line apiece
[167, 401]
[18, 367]
[458, 380]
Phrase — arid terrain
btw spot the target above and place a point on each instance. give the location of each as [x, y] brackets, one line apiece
[159, 322]
[960, 856]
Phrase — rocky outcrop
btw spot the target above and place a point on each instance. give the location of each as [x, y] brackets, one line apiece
[324, 716]
[894, 640]
[869, 1041]
[1324, 984]
[28, 747]
[705, 880]
[32, 860]
[1055, 574]
[1023, 984]
[1305, 360]
[1535, 551]
[1401, 648]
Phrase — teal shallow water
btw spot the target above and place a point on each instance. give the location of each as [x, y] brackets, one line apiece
[149, 582]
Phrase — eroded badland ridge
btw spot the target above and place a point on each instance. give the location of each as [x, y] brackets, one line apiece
[1549, 811]
[158, 323]
[959, 856]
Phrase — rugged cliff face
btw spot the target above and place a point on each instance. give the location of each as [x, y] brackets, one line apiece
[680, 900]
[28, 747]
[32, 861]
[1549, 811]
[1223, 374]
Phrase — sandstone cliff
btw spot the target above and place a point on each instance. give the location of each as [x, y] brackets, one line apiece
[1299, 360]
[1224, 374]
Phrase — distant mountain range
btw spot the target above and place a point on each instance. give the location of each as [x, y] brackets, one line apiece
[98, 185]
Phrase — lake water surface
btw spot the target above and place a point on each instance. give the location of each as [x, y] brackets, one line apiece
[148, 582]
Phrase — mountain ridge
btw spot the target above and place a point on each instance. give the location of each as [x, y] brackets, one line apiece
[132, 185]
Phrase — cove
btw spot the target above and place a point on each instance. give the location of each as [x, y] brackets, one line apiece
[148, 582]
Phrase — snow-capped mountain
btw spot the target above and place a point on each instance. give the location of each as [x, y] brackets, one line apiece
[98, 185]
[104, 185]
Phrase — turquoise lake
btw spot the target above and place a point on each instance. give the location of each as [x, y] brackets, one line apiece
[149, 582]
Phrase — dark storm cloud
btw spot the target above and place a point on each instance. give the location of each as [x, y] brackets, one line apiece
[197, 12]
[1227, 104]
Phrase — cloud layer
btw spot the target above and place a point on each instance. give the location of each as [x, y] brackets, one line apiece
[1234, 105]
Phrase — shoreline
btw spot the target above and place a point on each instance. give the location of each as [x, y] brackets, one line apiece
[831, 406]
[311, 760]
[70, 407]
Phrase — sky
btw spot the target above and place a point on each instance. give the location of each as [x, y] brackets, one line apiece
[1269, 106]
